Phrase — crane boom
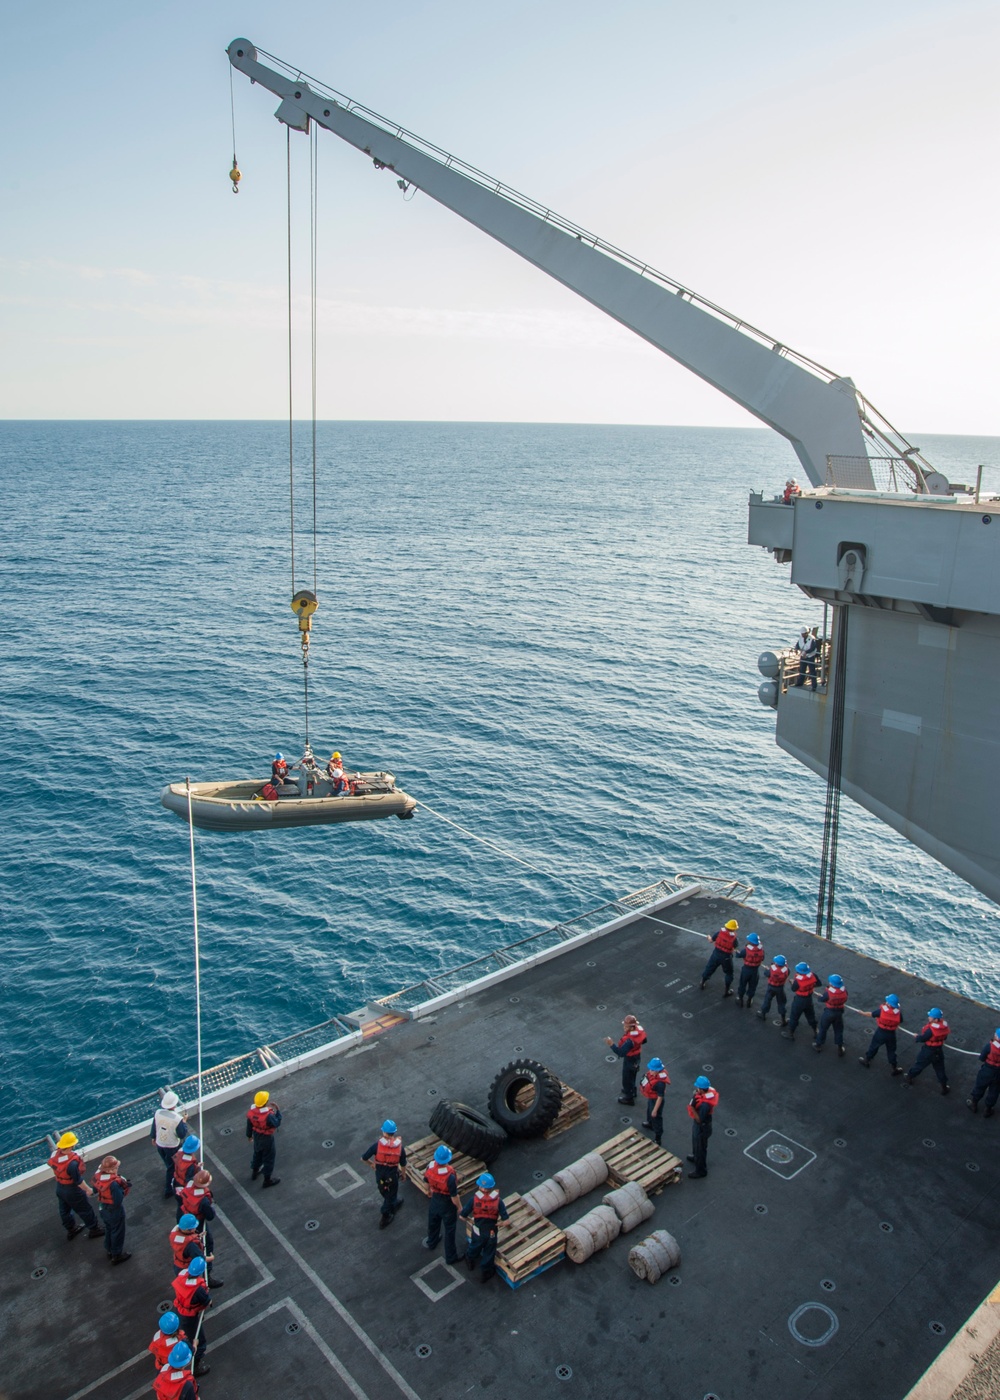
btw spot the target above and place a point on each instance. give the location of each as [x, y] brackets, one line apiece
[817, 411]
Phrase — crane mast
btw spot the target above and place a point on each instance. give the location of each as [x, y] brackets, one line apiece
[820, 413]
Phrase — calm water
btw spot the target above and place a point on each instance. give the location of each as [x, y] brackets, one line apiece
[548, 632]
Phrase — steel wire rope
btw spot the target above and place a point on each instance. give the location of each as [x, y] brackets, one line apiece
[313, 247]
[197, 962]
[232, 113]
[291, 434]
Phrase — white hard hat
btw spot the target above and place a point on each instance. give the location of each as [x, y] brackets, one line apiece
[169, 1100]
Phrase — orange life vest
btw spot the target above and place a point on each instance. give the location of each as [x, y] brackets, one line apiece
[103, 1182]
[652, 1086]
[709, 1096]
[486, 1205]
[389, 1151]
[161, 1346]
[60, 1164]
[889, 1017]
[257, 1118]
[436, 1176]
[184, 1290]
[170, 1383]
[939, 1031]
[192, 1198]
[725, 940]
[836, 998]
[179, 1241]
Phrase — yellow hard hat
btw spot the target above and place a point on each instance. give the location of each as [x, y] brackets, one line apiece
[732, 926]
[68, 1140]
[335, 754]
[261, 1098]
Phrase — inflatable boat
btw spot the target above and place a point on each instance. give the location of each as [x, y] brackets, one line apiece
[241, 806]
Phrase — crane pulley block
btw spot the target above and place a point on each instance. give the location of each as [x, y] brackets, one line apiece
[304, 604]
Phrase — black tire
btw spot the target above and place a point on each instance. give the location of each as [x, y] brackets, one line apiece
[466, 1130]
[542, 1110]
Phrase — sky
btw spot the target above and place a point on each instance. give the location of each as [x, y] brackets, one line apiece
[826, 172]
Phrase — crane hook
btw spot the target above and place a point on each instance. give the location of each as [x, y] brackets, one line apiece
[236, 176]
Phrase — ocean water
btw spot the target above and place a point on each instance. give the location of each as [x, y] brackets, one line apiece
[549, 633]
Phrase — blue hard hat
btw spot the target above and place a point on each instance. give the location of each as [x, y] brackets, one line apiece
[196, 1267]
[801, 967]
[997, 1033]
[180, 1356]
[443, 1155]
[892, 1000]
[388, 1126]
[935, 1013]
[702, 1083]
[835, 980]
[169, 1323]
[187, 1222]
[191, 1144]
[753, 937]
[779, 960]
[655, 1063]
[279, 757]
[486, 1182]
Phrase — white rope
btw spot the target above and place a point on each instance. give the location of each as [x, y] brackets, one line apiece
[509, 855]
[197, 962]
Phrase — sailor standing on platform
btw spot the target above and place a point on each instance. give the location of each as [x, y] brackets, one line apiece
[487, 1211]
[988, 1078]
[889, 1018]
[165, 1338]
[629, 1051]
[443, 1204]
[186, 1163]
[112, 1188]
[263, 1121]
[753, 956]
[703, 1104]
[804, 984]
[390, 1155]
[72, 1190]
[931, 1041]
[777, 976]
[168, 1132]
[653, 1089]
[196, 1200]
[191, 1300]
[726, 944]
[834, 999]
[176, 1381]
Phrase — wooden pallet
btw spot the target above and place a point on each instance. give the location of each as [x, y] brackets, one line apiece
[575, 1109]
[527, 1244]
[419, 1156]
[632, 1157]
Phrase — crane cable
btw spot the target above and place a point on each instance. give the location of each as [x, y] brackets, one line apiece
[197, 964]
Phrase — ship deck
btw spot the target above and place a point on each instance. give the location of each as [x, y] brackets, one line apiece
[842, 1270]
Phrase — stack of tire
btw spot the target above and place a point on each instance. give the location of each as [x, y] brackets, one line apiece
[467, 1130]
[655, 1256]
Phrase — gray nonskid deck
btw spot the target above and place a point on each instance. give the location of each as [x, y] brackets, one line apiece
[881, 1230]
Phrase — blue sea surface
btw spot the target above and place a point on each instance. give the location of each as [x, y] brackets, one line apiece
[549, 633]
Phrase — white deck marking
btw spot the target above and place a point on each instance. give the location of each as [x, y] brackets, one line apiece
[266, 1277]
[436, 1295]
[779, 1153]
[318, 1283]
[306, 1326]
[354, 1181]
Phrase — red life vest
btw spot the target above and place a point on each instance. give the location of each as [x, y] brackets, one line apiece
[179, 1241]
[60, 1164]
[804, 984]
[279, 770]
[889, 1017]
[184, 1164]
[709, 1096]
[388, 1151]
[993, 1058]
[436, 1176]
[753, 955]
[725, 940]
[257, 1118]
[486, 1205]
[638, 1038]
[103, 1182]
[161, 1346]
[777, 976]
[184, 1289]
[836, 998]
[191, 1199]
[652, 1085]
[938, 1033]
[169, 1384]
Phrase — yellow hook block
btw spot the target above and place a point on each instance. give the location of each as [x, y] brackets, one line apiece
[236, 176]
[304, 604]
